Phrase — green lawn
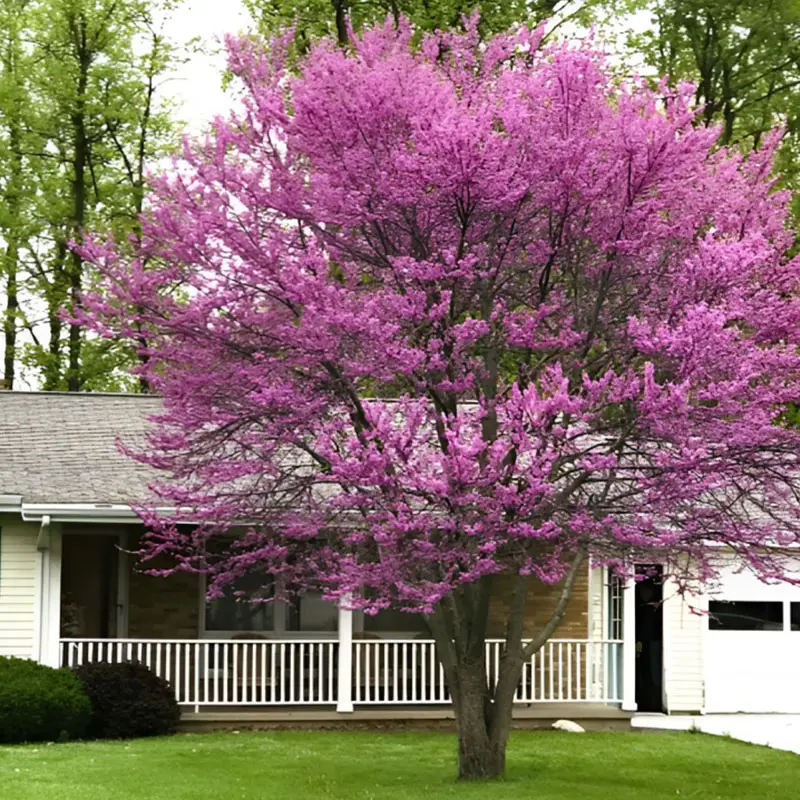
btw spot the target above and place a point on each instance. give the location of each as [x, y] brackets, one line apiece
[352, 765]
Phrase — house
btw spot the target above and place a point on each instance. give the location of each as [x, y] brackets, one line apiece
[71, 592]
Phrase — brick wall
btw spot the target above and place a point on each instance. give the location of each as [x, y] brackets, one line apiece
[162, 608]
[541, 603]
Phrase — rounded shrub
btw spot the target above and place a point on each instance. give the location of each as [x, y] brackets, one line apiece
[39, 703]
[128, 701]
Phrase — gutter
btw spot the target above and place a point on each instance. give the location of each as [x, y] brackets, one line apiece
[10, 503]
[76, 512]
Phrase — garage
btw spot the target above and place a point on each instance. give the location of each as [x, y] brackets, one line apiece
[752, 646]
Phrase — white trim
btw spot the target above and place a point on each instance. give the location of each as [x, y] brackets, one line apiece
[39, 584]
[50, 648]
[76, 512]
[629, 645]
[666, 643]
[344, 696]
[10, 503]
[47, 610]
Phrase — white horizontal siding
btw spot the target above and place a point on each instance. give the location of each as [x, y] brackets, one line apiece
[18, 565]
[684, 633]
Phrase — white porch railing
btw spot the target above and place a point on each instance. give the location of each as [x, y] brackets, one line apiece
[289, 672]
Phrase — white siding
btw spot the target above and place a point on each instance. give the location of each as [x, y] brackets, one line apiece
[18, 586]
[684, 633]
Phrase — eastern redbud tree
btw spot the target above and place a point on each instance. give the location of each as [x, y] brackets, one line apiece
[424, 316]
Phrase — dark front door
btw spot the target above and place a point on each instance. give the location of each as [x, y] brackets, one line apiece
[649, 638]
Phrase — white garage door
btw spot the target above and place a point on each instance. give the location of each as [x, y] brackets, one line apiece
[752, 647]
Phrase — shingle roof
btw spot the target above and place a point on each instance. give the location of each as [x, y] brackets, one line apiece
[57, 447]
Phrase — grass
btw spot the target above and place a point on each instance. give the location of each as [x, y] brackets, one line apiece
[399, 766]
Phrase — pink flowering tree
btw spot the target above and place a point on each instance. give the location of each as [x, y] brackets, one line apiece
[422, 317]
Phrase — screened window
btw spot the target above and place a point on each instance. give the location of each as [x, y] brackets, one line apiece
[614, 606]
[309, 613]
[232, 613]
[313, 614]
[391, 621]
[745, 615]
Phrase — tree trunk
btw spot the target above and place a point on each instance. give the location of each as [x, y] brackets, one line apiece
[14, 223]
[10, 320]
[340, 15]
[481, 753]
[79, 166]
[56, 298]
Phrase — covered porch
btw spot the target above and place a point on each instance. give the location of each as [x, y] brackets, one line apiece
[229, 656]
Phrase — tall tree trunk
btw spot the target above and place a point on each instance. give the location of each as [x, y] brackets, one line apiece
[14, 188]
[11, 266]
[340, 12]
[57, 295]
[10, 319]
[79, 165]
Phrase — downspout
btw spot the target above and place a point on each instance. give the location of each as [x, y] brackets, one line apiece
[43, 540]
[43, 595]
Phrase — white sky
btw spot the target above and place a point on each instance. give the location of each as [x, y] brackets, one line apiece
[197, 84]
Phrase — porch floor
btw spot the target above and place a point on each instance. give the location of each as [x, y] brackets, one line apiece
[593, 716]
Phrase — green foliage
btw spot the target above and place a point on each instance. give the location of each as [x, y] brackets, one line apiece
[128, 701]
[314, 18]
[39, 703]
[78, 85]
[744, 58]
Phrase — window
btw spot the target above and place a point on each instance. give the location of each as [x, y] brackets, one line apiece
[614, 606]
[309, 613]
[392, 621]
[231, 613]
[745, 615]
[794, 617]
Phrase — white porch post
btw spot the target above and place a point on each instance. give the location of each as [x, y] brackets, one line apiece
[629, 646]
[344, 702]
[48, 603]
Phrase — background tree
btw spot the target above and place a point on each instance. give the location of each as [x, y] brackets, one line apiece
[585, 313]
[744, 58]
[90, 118]
[315, 18]
[15, 222]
